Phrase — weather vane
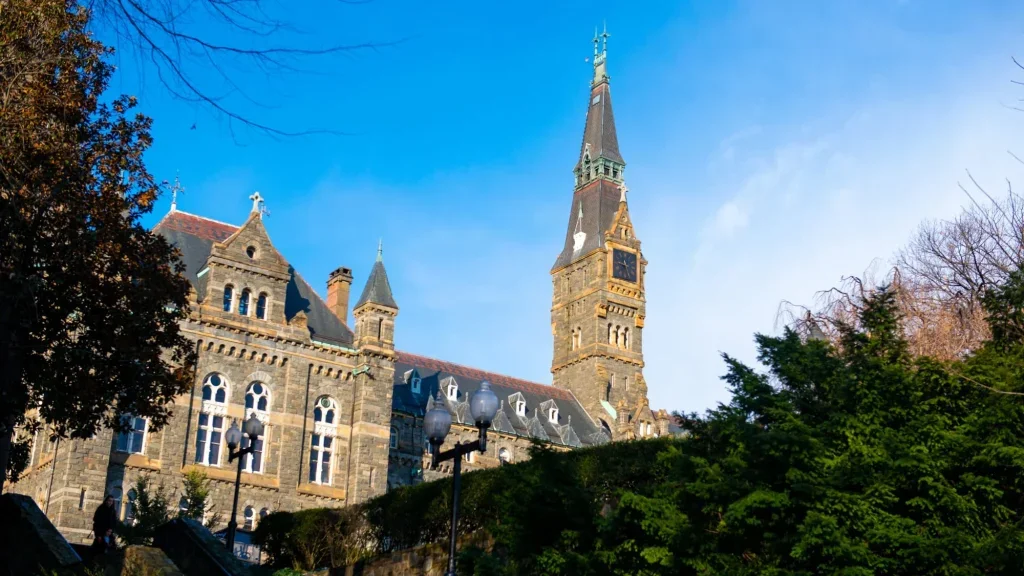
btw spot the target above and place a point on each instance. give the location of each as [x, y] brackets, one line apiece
[175, 190]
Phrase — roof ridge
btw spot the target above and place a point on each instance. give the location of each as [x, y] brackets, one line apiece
[200, 217]
[477, 373]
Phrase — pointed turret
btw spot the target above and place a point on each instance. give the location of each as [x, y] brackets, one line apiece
[376, 309]
[377, 289]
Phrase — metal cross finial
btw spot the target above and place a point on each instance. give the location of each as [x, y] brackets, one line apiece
[596, 41]
[604, 36]
[623, 189]
[380, 250]
[174, 193]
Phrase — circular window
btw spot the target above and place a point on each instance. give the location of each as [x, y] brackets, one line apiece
[250, 251]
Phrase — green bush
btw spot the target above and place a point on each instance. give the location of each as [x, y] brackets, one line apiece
[853, 459]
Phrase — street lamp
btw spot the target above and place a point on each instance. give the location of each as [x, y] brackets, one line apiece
[483, 405]
[253, 429]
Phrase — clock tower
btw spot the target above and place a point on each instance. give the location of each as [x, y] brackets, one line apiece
[598, 305]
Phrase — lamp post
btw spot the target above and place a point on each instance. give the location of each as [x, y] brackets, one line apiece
[437, 422]
[253, 429]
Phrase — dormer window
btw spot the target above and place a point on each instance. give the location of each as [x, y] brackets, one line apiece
[414, 384]
[521, 407]
[453, 390]
[553, 414]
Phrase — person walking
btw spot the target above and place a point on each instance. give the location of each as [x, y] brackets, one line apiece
[104, 520]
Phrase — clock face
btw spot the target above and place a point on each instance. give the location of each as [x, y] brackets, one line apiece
[624, 265]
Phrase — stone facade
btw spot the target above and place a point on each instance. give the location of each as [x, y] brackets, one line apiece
[343, 409]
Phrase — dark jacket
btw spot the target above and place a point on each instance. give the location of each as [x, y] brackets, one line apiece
[105, 518]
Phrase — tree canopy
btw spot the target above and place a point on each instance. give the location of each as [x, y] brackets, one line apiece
[90, 301]
[857, 458]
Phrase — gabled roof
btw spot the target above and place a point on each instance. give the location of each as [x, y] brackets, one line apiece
[574, 426]
[195, 235]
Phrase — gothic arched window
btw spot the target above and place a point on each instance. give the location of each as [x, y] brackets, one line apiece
[625, 338]
[257, 401]
[229, 294]
[504, 456]
[210, 431]
[261, 306]
[322, 441]
[324, 411]
[243, 303]
[394, 437]
[250, 518]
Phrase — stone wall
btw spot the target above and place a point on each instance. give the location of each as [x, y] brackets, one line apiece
[72, 480]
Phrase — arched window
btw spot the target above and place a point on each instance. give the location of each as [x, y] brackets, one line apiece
[625, 338]
[261, 306]
[229, 294]
[648, 428]
[468, 456]
[380, 329]
[322, 441]
[243, 303]
[618, 336]
[116, 494]
[257, 401]
[394, 437]
[325, 411]
[504, 456]
[263, 513]
[608, 392]
[215, 389]
[210, 431]
[611, 339]
[249, 516]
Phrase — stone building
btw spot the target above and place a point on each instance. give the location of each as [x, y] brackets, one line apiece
[343, 408]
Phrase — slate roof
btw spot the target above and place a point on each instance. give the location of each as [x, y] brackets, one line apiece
[194, 237]
[377, 289]
[571, 428]
[600, 200]
[599, 132]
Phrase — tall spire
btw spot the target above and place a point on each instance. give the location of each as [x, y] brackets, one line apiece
[599, 154]
[599, 173]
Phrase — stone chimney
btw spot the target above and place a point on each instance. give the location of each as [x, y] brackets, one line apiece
[339, 283]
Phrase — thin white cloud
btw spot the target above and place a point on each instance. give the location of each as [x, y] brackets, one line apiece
[804, 214]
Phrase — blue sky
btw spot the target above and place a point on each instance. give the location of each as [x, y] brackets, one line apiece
[772, 147]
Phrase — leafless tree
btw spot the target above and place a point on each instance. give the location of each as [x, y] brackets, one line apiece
[939, 278]
[183, 41]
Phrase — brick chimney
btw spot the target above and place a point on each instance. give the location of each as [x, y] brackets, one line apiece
[339, 284]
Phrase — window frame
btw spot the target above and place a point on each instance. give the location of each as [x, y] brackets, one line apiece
[130, 442]
[317, 450]
[228, 298]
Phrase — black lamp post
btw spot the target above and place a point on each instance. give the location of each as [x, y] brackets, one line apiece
[483, 405]
[253, 429]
